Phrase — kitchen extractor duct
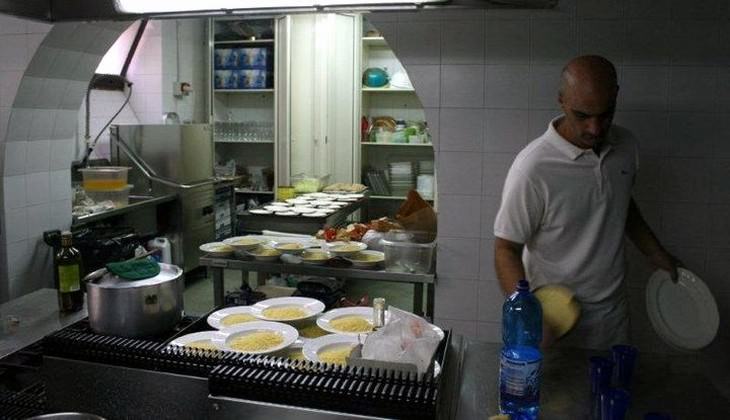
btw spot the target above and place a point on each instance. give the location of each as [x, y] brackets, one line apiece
[85, 10]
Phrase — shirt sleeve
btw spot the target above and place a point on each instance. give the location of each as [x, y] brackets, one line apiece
[522, 208]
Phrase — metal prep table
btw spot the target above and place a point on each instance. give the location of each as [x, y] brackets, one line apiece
[216, 266]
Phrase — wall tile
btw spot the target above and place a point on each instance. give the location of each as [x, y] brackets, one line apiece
[53, 94]
[15, 155]
[602, 37]
[553, 42]
[62, 153]
[600, 9]
[685, 49]
[28, 92]
[73, 91]
[490, 207]
[14, 192]
[707, 9]
[506, 130]
[42, 61]
[494, 171]
[39, 220]
[686, 180]
[65, 124]
[61, 214]
[539, 121]
[693, 134]
[508, 42]
[650, 179]
[9, 83]
[19, 124]
[459, 257]
[65, 64]
[38, 156]
[461, 130]
[462, 42]
[487, 272]
[507, 86]
[720, 181]
[459, 215]
[60, 185]
[38, 188]
[14, 53]
[680, 229]
[724, 86]
[649, 42]
[42, 124]
[16, 225]
[426, 80]
[718, 264]
[465, 328]
[544, 84]
[459, 173]
[693, 89]
[456, 299]
[419, 43]
[647, 9]
[490, 301]
[10, 25]
[650, 129]
[462, 86]
[564, 9]
[643, 88]
[18, 253]
[490, 332]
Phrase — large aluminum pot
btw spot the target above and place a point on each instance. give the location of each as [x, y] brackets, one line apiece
[67, 416]
[136, 308]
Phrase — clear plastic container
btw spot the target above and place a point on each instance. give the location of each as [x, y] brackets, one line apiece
[104, 178]
[308, 184]
[120, 197]
[403, 256]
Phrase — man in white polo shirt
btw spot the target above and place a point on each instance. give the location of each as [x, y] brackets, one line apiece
[567, 205]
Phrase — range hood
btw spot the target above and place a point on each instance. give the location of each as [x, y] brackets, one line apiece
[86, 10]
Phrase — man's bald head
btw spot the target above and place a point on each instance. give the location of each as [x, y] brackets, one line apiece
[589, 74]
[588, 92]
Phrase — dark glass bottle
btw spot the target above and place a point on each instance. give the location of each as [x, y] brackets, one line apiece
[68, 275]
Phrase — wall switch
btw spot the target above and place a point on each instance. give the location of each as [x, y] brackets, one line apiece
[181, 89]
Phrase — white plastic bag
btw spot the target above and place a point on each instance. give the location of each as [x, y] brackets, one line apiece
[406, 338]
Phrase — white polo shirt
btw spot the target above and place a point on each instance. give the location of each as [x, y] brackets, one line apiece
[569, 207]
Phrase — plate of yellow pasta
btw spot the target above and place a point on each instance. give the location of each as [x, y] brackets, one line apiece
[353, 320]
[200, 340]
[258, 337]
[333, 348]
[287, 309]
[233, 315]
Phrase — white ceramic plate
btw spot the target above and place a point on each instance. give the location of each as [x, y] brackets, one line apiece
[276, 208]
[312, 307]
[378, 257]
[224, 336]
[357, 196]
[281, 247]
[314, 346]
[336, 248]
[198, 336]
[321, 202]
[684, 314]
[297, 201]
[319, 196]
[363, 311]
[215, 319]
[279, 204]
[315, 214]
[336, 205]
[268, 258]
[245, 242]
[260, 211]
[286, 213]
[308, 257]
[217, 249]
[327, 211]
[304, 210]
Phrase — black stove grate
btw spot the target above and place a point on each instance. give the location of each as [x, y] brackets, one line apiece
[26, 403]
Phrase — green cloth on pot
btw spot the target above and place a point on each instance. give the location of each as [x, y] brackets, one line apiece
[135, 269]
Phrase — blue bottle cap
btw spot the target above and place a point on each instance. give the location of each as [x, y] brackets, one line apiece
[523, 285]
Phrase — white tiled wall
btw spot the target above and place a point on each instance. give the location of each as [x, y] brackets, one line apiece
[497, 89]
[42, 82]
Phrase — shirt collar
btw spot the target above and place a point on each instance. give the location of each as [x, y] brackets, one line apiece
[570, 150]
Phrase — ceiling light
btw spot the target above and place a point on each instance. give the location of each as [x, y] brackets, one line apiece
[171, 6]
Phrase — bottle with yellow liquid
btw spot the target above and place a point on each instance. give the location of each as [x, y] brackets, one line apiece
[68, 275]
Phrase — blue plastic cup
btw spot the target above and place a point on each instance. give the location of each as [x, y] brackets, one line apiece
[614, 403]
[601, 374]
[624, 357]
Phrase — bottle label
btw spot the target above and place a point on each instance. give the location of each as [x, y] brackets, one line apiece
[519, 378]
[68, 278]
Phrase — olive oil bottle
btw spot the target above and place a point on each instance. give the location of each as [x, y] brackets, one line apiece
[68, 275]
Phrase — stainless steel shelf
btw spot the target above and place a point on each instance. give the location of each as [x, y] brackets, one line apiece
[369, 143]
[316, 270]
[142, 203]
[245, 191]
[387, 90]
[245, 41]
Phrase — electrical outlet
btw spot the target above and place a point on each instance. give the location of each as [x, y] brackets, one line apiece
[181, 89]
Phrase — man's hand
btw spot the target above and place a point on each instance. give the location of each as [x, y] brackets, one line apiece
[667, 262]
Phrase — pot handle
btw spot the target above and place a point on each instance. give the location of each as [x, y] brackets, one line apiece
[91, 277]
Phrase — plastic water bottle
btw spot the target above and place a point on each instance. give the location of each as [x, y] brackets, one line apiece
[521, 359]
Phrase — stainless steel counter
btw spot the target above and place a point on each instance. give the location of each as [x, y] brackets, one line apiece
[680, 385]
[30, 318]
[135, 203]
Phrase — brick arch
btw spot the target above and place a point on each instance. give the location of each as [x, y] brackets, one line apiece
[38, 147]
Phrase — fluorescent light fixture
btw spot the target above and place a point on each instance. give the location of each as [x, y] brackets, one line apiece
[172, 6]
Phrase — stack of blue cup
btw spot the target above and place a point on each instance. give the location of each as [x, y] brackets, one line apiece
[609, 402]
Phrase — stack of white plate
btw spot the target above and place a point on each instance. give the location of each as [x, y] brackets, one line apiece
[425, 167]
[401, 177]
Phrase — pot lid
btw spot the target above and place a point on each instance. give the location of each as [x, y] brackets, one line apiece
[168, 272]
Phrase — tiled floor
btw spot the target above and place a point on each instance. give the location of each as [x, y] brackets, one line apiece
[199, 293]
